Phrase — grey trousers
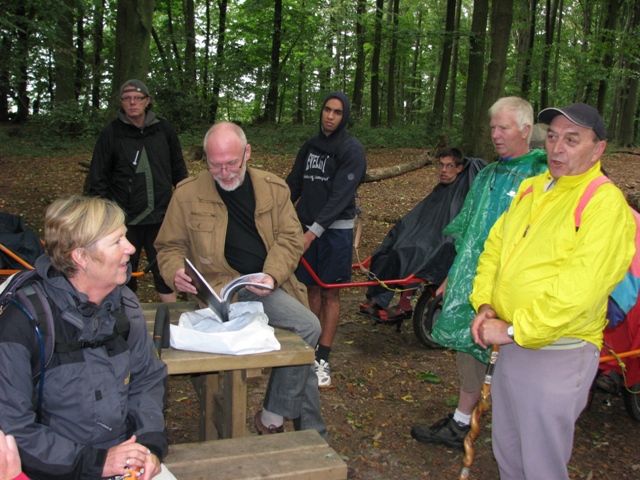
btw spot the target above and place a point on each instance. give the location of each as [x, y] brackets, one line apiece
[537, 396]
[292, 391]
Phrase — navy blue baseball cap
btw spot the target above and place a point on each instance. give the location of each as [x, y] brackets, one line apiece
[579, 113]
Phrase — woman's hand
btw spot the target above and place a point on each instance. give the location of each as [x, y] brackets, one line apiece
[130, 455]
[9, 458]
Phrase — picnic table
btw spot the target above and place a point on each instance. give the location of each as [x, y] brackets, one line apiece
[221, 380]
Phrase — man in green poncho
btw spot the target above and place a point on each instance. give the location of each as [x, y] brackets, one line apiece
[490, 195]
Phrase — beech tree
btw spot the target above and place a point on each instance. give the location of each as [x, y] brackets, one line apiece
[274, 60]
[133, 35]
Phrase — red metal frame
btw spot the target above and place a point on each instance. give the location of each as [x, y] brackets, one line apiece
[28, 266]
[403, 282]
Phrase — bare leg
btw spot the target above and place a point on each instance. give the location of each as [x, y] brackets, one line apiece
[327, 301]
[167, 297]
[314, 294]
[467, 401]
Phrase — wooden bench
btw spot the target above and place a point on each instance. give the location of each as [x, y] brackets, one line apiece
[221, 380]
[290, 455]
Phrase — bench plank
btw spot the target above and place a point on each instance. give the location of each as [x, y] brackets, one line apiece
[292, 455]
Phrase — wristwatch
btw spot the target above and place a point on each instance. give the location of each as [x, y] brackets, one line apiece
[510, 331]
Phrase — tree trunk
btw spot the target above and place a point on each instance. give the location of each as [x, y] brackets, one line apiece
[24, 20]
[190, 44]
[454, 67]
[628, 119]
[274, 70]
[445, 63]
[358, 83]
[472, 113]
[133, 37]
[217, 76]
[501, 19]
[416, 80]
[375, 66]
[528, 54]
[63, 55]
[391, 108]
[556, 60]
[608, 39]
[549, 28]
[80, 60]
[98, 42]
[172, 38]
[5, 88]
[299, 100]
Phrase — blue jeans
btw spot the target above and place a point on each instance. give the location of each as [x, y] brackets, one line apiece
[292, 391]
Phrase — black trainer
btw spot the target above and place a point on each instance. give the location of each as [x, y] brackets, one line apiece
[446, 432]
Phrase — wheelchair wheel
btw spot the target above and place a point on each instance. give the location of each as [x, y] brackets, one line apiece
[425, 317]
[632, 401]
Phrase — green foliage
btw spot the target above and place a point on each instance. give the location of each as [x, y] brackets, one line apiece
[34, 140]
[406, 136]
[69, 121]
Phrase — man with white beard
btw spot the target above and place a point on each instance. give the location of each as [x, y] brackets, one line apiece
[233, 220]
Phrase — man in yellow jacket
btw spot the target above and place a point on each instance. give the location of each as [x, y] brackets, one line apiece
[541, 293]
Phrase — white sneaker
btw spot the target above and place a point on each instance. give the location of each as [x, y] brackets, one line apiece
[323, 371]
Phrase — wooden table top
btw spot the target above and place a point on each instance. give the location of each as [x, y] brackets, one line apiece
[293, 351]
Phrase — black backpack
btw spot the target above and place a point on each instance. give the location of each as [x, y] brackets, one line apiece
[25, 291]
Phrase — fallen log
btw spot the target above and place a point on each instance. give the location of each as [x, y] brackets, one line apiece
[377, 174]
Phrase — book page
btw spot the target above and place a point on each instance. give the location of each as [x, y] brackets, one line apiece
[205, 293]
[249, 279]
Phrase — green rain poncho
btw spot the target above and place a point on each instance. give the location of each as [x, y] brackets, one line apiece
[490, 195]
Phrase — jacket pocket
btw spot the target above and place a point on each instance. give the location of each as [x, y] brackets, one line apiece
[201, 232]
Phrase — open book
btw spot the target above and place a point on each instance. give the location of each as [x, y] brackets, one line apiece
[220, 304]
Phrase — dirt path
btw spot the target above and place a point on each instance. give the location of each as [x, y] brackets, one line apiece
[377, 392]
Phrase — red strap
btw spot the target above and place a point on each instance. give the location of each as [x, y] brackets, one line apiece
[586, 196]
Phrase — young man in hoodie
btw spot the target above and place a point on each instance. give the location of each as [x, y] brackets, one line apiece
[325, 176]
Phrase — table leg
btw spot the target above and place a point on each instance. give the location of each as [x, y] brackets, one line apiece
[207, 388]
[234, 403]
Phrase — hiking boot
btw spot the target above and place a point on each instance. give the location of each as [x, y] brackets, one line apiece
[611, 382]
[264, 430]
[446, 432]
[323, 371]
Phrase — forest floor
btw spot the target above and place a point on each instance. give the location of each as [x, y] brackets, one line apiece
[378, 389]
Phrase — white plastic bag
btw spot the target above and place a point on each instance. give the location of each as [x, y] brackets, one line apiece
[247, 331]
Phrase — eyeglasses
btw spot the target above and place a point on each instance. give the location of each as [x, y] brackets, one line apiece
[133, 98]
[229, 166]
[446, 166]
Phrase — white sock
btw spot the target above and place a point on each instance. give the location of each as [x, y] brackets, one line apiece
[461, 418]
[269, 419]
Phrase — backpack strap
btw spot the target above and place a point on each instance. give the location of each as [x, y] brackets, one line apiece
[35, 300]
[586, 196]
[584, 199]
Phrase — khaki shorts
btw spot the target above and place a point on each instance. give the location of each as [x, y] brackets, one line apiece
[470, 372]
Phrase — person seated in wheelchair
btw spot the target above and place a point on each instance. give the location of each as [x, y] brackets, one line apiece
[416, 243]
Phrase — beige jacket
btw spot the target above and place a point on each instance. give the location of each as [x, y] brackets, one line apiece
[196, 223]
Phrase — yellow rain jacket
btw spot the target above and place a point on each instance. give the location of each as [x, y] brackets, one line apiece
[545, 278]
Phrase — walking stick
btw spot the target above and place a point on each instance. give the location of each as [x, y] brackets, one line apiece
[480, 408]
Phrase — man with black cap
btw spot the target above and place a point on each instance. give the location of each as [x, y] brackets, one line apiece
[137, 160]
[541, 293]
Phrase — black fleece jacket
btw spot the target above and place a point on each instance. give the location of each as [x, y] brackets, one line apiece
[138, 167]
